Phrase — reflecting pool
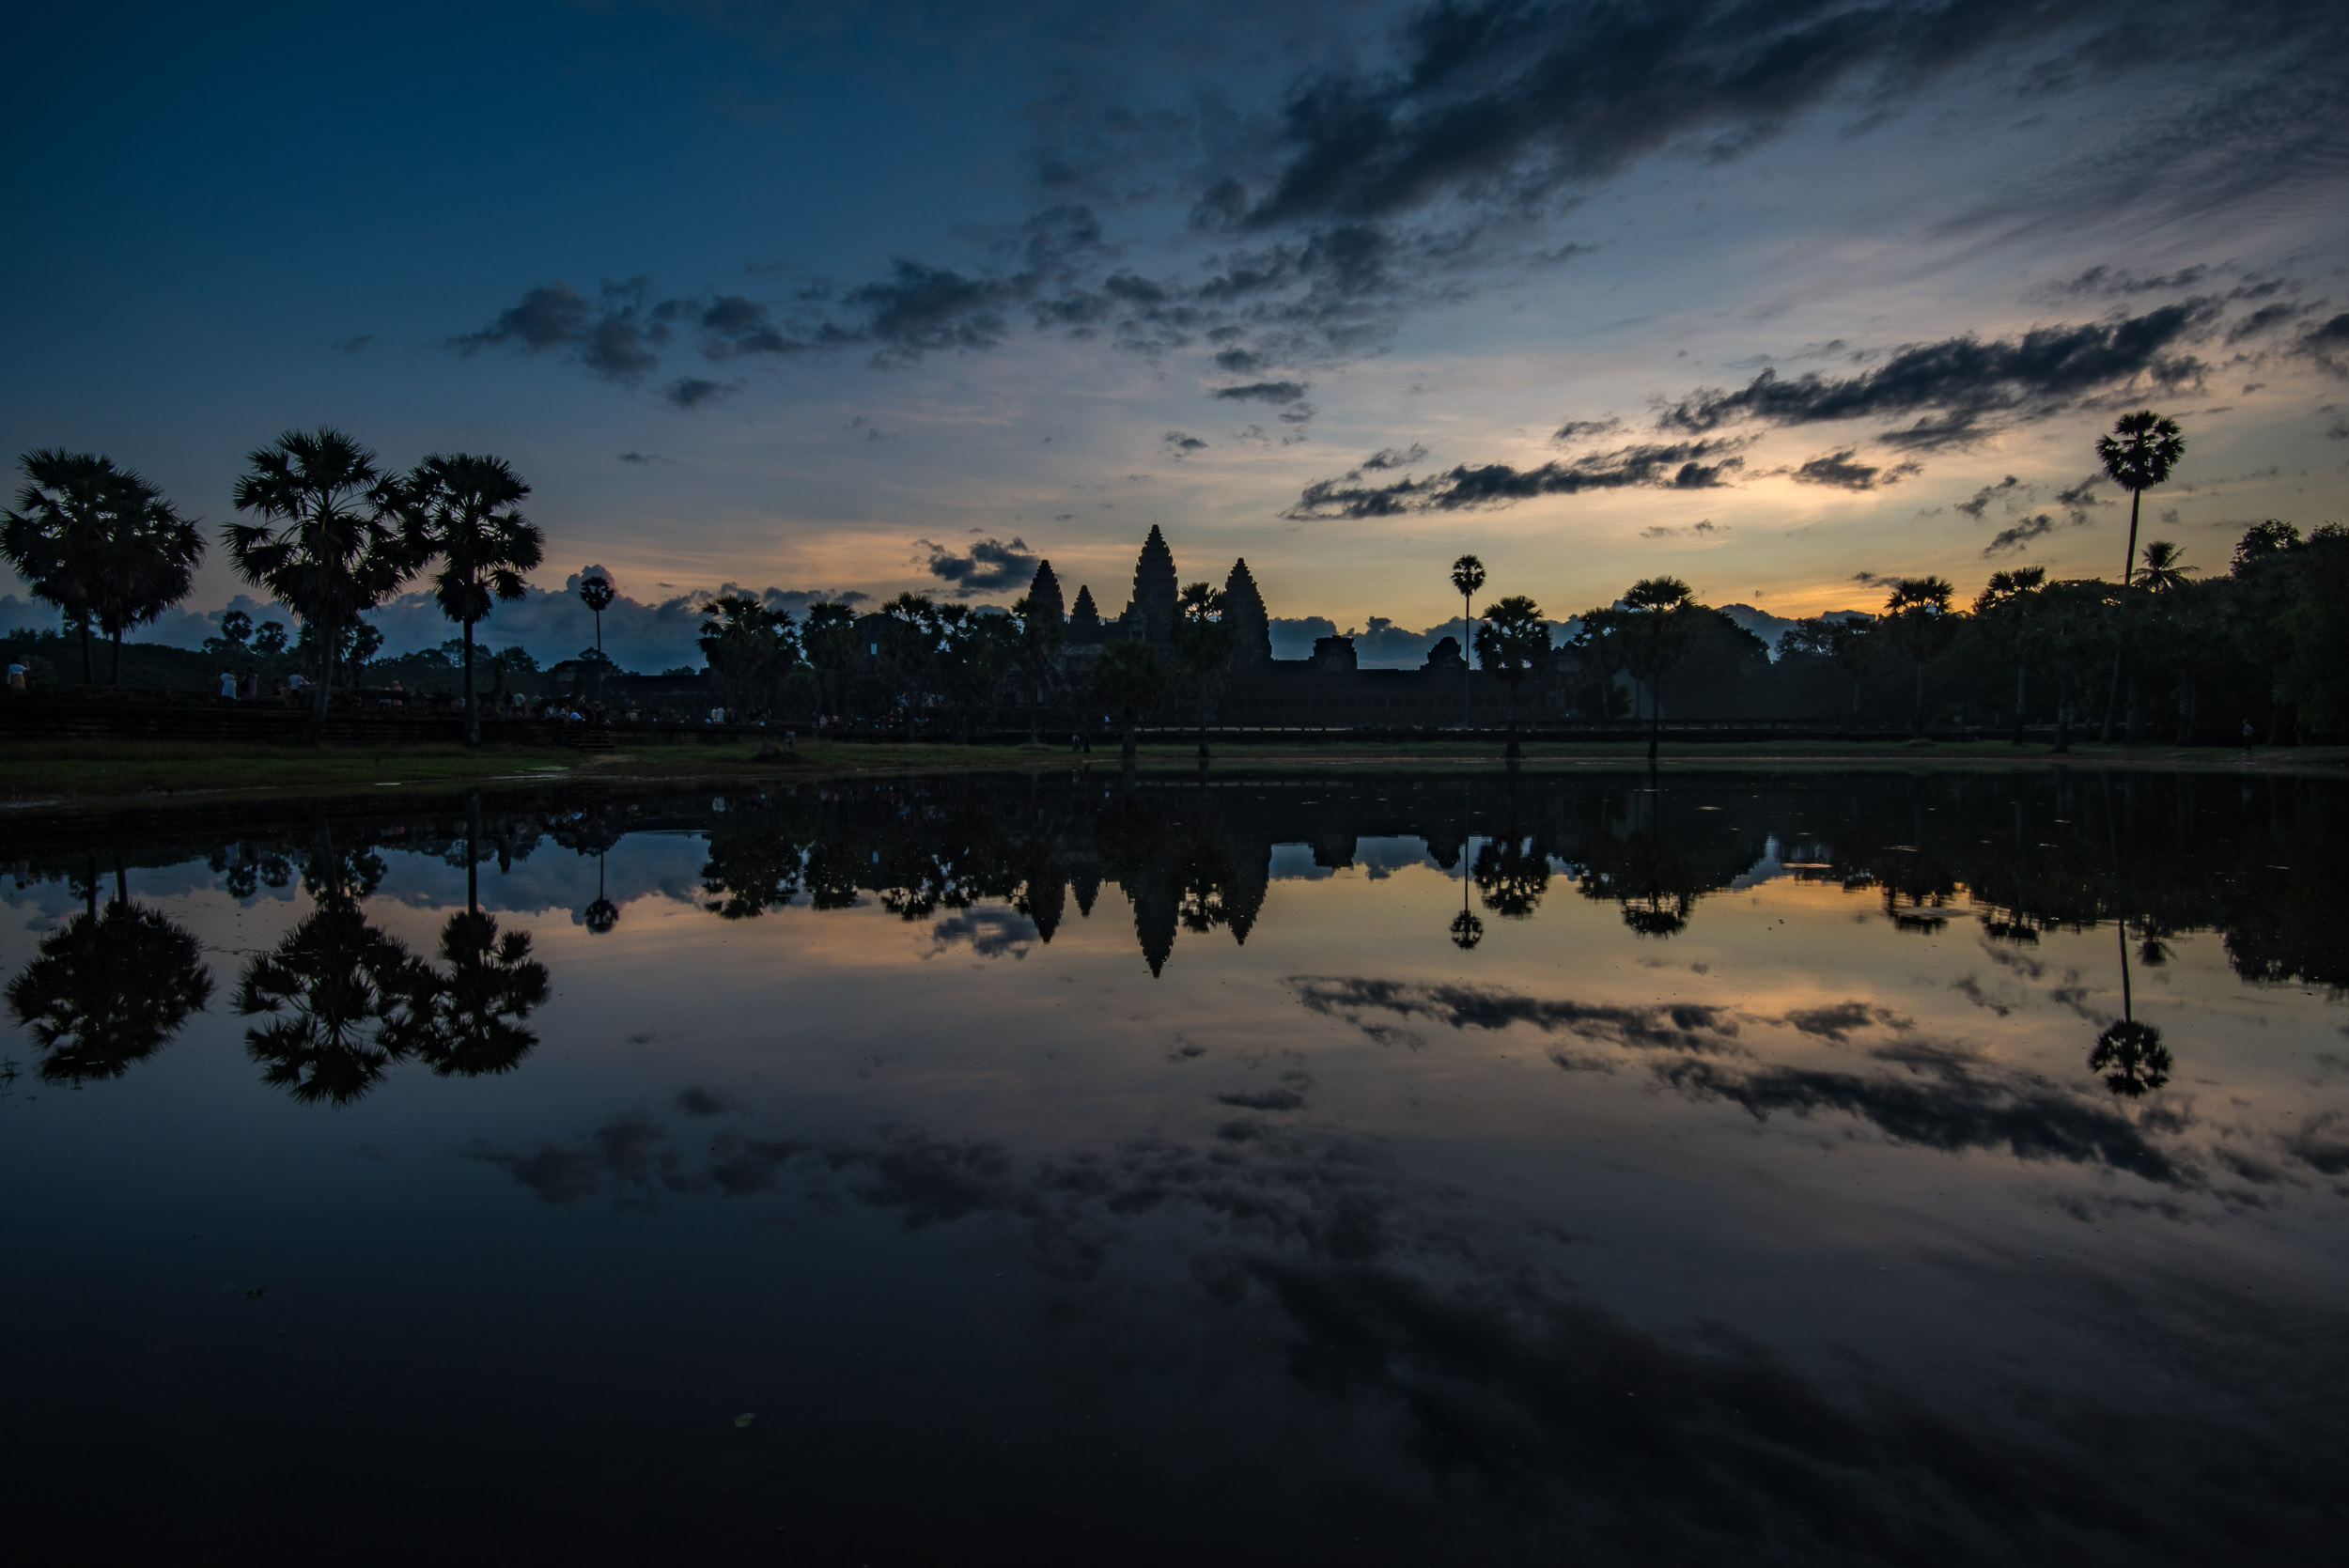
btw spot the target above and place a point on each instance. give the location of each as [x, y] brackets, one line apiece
[1338, 1167]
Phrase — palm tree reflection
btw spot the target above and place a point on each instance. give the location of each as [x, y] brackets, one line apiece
[479, 1006]
[2130, 1054]
[109, 989]
[344, 1001]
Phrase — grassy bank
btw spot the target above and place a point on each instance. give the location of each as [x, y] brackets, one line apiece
[91, 775]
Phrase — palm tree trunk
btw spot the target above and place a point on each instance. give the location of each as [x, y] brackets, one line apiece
[2020, 671]
[473, 857]
[2063, 707]
[90, 670]
[1916, 713]
[117, 641]
[1512, 753]
[1655, 717]
[473, 713]
[1203, 718]
[325, 629]
[2121, 648]
[1467, 661]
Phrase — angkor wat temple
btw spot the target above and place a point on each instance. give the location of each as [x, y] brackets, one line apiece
[1328, 687]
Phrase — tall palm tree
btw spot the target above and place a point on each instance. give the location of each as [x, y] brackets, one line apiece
[330, 544]
[1203, 637]
[1467, 575]
[1917, 618]
[1661, 617]
[2139, 453]
[100, 543]
[1512, 640]
[595, 592]
[464, 508]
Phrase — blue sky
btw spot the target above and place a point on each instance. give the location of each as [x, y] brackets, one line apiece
[823, 298]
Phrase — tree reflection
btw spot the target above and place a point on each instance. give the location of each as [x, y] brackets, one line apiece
[2130, 1054]
[344, 1001]
[109, 989]
[601, 915]
[477, 1007]
[1512, 875]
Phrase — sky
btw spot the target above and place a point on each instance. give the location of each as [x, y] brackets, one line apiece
[1778, 297]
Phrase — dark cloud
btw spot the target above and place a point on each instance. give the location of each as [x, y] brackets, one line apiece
[1693, 465]
[1264, 1099]
[2020, 534]
[1837, 1021]
[1583, 430]
[2102, 281]
[1839, 469]
[642, 458]
[1392, 457]
[1262, 391]
[988, 566]
[1945, 1101]
[1968, 384]
[2009, 489]
[616, 336]
[1239, 362]
[1685, 1026]
[2080, 499]
[2329, 345]
[1183, 445]
[1513, 100]
[693, 391]
[919, 308]
[355, 345]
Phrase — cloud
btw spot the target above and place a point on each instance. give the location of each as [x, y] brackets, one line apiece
[2329, 345]
[1262, 391]
[1968, 382]
[350, 346]
[2009, 489]
[2018, 536]
[919, 309]
[616, 336]
[645, 458]
[988, 566]
[1394, 457]
[1583, 430]
[1183, 445]
[1698, 529]
[2103, 282]
[1685, 1026]
[693, 391]
[1679, 465]
[1839, 469]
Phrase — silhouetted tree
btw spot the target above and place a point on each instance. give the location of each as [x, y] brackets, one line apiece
[465, 509]
[100, 543]
[595, 591]
[1510, 641]
[1917, 620]
[2138, 455]
[1468, 578]
[1043, 627]
[2004, 610]
[330, 545]
[1202, 638]
[1127, 679]
[749, 648]
[1656, 621]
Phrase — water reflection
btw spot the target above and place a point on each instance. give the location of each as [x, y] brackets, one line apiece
[109, 989]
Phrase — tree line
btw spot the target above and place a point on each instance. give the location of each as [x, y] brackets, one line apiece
[334, 533]
[327, 529]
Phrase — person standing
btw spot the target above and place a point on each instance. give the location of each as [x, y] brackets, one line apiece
[227, 686]
[17, 673]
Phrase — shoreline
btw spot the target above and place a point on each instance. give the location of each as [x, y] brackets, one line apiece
[103, 776]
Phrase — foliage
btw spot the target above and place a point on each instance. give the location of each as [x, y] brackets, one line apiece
[100, 543]
[749, 648]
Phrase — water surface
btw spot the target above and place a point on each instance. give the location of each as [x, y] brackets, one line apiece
[1337, 1167]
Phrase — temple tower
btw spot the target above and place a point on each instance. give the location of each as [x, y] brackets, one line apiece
[1084, 621]
[1043, 593]
[1152, 613]
[1244, 609]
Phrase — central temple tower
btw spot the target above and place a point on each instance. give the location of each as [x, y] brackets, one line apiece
[1151, 614]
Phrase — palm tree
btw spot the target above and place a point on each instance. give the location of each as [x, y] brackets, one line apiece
[330, 545]
[100, 543]
[462, 508]
[2165, 567]
[1661, 615]
[1511, 640]
[1467, 575]
[109, 989]
[2006, 605]
[595, 592]
[1202, 636]
[492, 984]
[2142, 449]
[1917, 618]
[1127, 678]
